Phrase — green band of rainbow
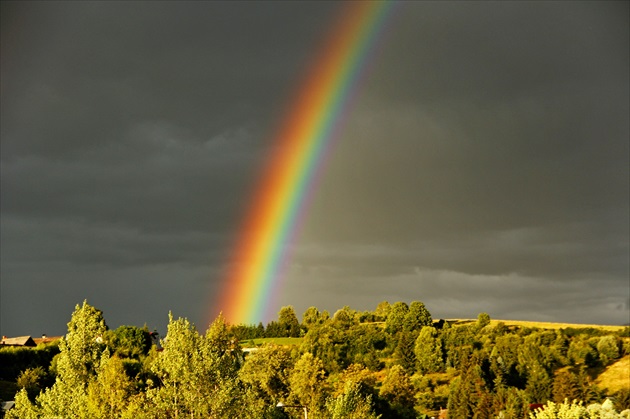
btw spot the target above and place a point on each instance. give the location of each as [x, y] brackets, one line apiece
[300, 148]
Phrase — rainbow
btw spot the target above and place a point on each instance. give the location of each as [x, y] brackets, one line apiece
[300, 147]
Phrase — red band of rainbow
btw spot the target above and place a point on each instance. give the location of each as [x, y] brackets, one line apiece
[301, 145]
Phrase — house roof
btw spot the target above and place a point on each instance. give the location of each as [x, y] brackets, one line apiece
[19, 341]
[6, 406]
[47, 339]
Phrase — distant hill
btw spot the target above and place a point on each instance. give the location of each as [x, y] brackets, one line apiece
[541, 325]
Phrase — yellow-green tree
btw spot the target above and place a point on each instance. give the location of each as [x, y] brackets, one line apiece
[77, 363]
[399, 392]
[109, 393]
[308, 384]
[196, 374]
[428, 350]
[351, 404]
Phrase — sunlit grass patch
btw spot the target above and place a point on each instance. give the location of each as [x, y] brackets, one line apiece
[550, 325]
[251, 343]
[616, 376]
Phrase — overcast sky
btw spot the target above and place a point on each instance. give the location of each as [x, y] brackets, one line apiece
[484, 166]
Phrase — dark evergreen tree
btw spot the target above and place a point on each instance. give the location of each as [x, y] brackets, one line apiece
[288, 322]
[538, 386]
[404, 354]
[565, 386]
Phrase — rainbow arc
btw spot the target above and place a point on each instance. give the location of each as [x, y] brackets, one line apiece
[305, 138]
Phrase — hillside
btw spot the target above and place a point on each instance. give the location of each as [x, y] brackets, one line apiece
[542, 325]
[395, 361]
[616, 376]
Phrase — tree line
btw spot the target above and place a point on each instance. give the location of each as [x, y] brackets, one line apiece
[393, 362]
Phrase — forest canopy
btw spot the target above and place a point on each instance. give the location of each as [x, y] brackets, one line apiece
[393, 362]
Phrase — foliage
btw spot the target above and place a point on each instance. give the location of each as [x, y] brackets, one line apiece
[417, 317]
[565, 410]
[382, 311]
[483, 320]
[396, 318]
[351, 404]
[394, 362]
[192, 368]
[109, 393]
[23, 408]
[307, 384]
[398, 391]
[605, 410]
[15, 359]
[312, 317]
[404, 354]
[82, 346]
[566, 386]
[33, 380]
[428, 351]
[622, 399]
[129, 341]
[608, 348]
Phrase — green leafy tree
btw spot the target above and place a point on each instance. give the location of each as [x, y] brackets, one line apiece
[538, 384]
[23, 408]
[307, 383]
[399, 392]
[582, 352]
[417, 317]
[312, 317]
[565, 386]
[330, 344]
[344, 318]
[288, 321]
[76, 365]
[589, 392]
[32, 380]
[130, 341]
[396, 318]
[608, 349]
[382, 311]
[511, 403]
[428, 350]
[367, 345]
[108, 395]
[196, 374]
[351, 404]
[82, 346]
[469, 393]
[267, 371]
[505, 362]
[483, 320]
[454, 340]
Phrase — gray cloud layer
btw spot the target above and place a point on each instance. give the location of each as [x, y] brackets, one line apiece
[484, 167]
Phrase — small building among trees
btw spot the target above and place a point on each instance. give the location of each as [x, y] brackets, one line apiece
[18, 341]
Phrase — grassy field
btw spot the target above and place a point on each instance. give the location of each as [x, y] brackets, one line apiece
[548, 325]
[251, 343]
[616, 376]
[540, 325]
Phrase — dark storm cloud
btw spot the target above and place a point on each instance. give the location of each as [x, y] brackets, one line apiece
[130, 137]
[484, 166]
[501, 153]
[97, 68]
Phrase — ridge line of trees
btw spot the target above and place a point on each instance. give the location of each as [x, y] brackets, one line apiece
[393, 362]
